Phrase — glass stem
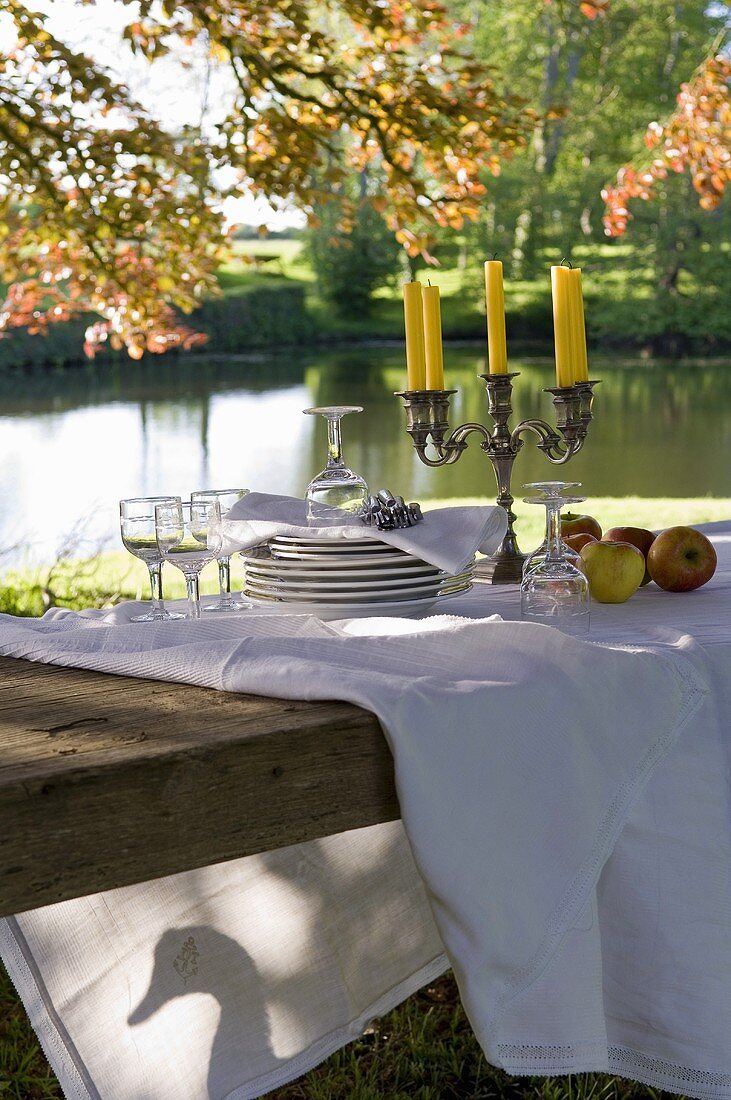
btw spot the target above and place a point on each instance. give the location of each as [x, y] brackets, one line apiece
[334, 442]
[155, 569]
[224, 581]
[554, 543]
[194, 603]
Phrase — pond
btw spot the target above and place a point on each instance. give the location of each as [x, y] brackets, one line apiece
[72, 443]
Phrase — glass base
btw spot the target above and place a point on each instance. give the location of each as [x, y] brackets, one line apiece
[157, 616]
[576, 625]
[229, 605]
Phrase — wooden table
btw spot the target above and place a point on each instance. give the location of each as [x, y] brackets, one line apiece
[108, 780]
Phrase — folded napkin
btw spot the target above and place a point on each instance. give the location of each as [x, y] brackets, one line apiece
[447, 537]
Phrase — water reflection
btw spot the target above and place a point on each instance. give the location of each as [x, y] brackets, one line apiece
[73, 443]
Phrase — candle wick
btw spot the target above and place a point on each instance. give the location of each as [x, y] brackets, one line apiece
[428, 281]
[567, 263]
[494, 255]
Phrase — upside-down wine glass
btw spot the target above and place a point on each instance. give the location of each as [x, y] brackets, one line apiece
[137, 527]
[554, 591]
[189, 536]
[226, 499]
[336, 486]
[550, 490]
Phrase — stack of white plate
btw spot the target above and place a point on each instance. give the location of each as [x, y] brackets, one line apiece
[346, 577]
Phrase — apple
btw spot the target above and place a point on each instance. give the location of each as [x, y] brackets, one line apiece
[572, 524]
[614, 570]
[638, 536]
[577, 541]
[681, 559]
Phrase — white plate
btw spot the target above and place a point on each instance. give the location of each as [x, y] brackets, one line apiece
[339, 583]
[352, 611]
[392, 562]
[293, 570]
[352, 595]
[397, 557]
[321, 553]
[302, 541]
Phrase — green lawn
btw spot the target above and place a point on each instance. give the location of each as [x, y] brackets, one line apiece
[619, 298]
[423, 1050]
[611, 279]
[115, 575]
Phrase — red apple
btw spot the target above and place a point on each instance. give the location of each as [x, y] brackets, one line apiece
[614, 570]
[681, 559]
[572, 524]
[577, 541]
[638, 536]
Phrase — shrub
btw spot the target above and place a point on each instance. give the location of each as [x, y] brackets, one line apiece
[350, 267]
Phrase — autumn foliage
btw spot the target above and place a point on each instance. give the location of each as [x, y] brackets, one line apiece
[103, 212]
[695, 139]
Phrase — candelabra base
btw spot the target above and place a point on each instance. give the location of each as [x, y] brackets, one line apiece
[501, 568]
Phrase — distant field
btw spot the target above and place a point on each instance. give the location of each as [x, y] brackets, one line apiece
[286, 258]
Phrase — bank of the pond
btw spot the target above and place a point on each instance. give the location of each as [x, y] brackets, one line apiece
[270, 311]
[114, 575]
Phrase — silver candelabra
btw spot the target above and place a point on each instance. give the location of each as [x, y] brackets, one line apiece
[427, 423]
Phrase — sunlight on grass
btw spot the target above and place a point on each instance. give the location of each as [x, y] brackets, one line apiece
[115, 575]
[655, 513]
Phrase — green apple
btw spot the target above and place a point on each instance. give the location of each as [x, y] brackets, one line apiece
[614, 570]
[572, 524]
[638, 536]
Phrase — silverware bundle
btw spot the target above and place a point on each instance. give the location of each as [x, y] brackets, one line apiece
[386, 511]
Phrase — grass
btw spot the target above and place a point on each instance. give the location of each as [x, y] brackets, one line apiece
[424, 1049]
[386, 319]
[619, 297]
[114, 575]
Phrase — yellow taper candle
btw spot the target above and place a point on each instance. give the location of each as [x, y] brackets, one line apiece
[414, 324]
[497, 356]
[433, 338]
[561, 288]
[578, 329]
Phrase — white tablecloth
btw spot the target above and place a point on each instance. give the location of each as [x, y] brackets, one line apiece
[567, 806]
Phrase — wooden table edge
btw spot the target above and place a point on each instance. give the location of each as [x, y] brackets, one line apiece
[108, 781]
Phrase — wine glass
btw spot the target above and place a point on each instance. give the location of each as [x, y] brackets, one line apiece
[189, 536]
[336, 485]
[554, 591]
[137, 526]
[226, 499]
[551, 490]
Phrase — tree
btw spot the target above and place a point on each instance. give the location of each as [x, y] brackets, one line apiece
[696, 138]
[351, 261]
[594, 82]
[106, 213]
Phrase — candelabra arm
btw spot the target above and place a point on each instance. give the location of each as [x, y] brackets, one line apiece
[445, 457]
[450, 449]
[557, 448]
[458, 438]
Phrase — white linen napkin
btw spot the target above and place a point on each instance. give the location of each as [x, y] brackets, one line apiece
[447, 537]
